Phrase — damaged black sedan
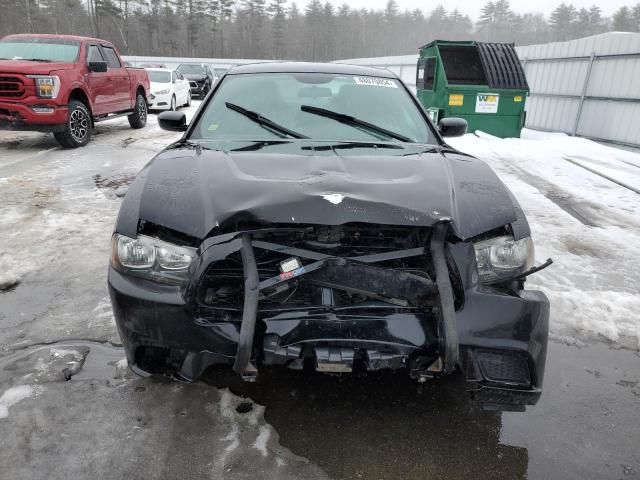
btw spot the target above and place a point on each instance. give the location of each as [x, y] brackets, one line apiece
[311, 216]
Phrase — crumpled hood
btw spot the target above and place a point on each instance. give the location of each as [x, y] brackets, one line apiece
[26, 67]
[193, 191]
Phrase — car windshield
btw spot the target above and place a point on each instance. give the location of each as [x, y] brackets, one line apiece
[39, 49]
[328, 107]
[192, 69]
[159, 77]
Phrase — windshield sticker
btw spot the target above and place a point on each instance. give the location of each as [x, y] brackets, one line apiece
[375, 82]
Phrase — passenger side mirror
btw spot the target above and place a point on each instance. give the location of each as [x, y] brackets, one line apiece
[452, 127]
[97, 66]
[173, 121]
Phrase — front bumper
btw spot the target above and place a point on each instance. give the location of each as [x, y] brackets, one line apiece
[197, 88]
[160, 102]
[502, 338]
[22, 116]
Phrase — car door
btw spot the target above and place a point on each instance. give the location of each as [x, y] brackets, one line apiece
[181, 87]
[119, 75]
[101, 90]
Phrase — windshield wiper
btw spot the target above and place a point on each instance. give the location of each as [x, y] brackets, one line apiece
[353, 145]
[354, 122]
[264, 121]
[36, 60]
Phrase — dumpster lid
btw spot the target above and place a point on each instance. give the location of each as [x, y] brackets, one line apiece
[502, 66]
[500, 62]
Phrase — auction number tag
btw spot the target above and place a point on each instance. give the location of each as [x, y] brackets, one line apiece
[375, 82]
[487, 103]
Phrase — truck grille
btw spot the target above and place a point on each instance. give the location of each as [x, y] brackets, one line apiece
[11, 87]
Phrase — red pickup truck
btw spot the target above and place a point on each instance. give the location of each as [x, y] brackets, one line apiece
[64, 84]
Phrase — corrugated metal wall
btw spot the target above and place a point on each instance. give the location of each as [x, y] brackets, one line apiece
[571, 92]
[588, 87]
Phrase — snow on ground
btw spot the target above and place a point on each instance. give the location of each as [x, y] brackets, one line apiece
[588, 224]
[14, 395]
[58, 211]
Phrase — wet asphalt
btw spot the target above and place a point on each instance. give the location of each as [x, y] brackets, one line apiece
[386, 426]
[106, 423]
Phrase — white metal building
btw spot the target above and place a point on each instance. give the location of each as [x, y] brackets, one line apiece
[588, 87]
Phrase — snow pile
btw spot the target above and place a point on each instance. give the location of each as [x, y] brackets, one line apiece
[15, 394]
[588, 224]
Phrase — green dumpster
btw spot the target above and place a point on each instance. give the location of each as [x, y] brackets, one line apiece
[484, 83]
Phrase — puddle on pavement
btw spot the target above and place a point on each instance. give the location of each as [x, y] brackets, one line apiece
[84, 360]
[382, 426]
[387, 426]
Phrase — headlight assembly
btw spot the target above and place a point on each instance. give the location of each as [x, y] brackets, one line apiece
[503, 257]
[46, 86]
[162, 92]
[151, 258]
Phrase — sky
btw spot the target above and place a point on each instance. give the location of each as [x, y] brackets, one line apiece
[472, 7]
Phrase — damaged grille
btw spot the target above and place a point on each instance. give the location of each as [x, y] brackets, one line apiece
[392, 269]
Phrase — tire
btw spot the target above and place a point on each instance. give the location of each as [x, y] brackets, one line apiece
[205, 90]
[173, 104]
[188, 104]
[77, 132]
[138, 119]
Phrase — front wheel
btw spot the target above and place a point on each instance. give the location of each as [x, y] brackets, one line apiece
[173, 104]
[138, 119]
[77, 131]
[189, 99]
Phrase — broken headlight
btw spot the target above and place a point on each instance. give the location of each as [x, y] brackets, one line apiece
[503, 257]
[151, 258]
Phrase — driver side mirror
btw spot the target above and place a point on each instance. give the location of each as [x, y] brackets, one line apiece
[97, 67]
[452, 127]
[173, 121]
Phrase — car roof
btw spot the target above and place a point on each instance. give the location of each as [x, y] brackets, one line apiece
[59, 37]
[310, 67]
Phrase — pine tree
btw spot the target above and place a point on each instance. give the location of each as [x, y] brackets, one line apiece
[562, 21]
[313, 20]
[623, 20]
[276, 11]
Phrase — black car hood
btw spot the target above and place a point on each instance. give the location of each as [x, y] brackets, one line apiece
[193, 190]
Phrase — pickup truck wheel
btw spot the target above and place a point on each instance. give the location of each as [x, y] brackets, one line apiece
[138, 119]
[77, 132]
